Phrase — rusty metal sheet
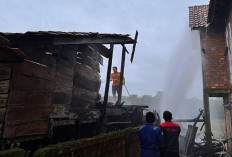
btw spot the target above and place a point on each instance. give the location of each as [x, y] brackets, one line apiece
[30, 98]
[35, 70]
[4, 86]
[16, 128]
[5, 72]
[24, 83]
[2, 114]
[86, 94]
[27, 113]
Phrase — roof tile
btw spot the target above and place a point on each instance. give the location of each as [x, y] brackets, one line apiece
[198, 16]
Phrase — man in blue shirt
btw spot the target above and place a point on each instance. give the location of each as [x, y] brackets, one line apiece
[151, 137]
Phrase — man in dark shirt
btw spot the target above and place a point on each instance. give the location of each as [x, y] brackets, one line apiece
[171, 132]
[150, 137]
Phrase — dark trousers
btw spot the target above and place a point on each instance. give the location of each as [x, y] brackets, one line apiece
[115, 89]
[169, 154]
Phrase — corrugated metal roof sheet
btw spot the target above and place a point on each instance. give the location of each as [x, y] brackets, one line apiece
[198, 16]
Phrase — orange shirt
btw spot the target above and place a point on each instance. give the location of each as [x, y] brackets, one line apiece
[116, 78]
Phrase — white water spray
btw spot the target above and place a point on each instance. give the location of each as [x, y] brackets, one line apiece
[185, 69]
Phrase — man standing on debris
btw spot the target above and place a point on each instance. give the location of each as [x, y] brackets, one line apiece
[151, 137]
[115, 77]
[171, 132]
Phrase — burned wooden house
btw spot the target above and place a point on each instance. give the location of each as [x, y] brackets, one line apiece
[50, 81]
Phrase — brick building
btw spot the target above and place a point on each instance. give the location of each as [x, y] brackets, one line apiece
[213, 21]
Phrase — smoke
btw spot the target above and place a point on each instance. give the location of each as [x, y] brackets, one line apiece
[185, 68]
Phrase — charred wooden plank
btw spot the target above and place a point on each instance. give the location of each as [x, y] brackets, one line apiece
[78, 102]
[62, 98]
[63, 83]
[25, 83]
[101, 49]
[86, 72]
[3, 96]
[82, 82]
[2, 114]
[11, 55]
[3, 102]
[22, 98]
[61, 111]
[6, 64]
[34, 70]
[67, 54]
[88, 40]
[42, 58]
[86, 114]
[28, 113]
[5, 72]
[84, 49]
[88, 61]
[4, 86]
[86, 94]
[64, 70]
[23, 128]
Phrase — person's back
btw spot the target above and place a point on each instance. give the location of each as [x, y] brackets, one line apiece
[150, 137]
[171, 132]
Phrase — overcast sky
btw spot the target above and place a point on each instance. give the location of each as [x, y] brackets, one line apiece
[164, 44]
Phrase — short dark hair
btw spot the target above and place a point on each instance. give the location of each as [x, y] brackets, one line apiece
[167, 115]
[150, 117]
[115, 67]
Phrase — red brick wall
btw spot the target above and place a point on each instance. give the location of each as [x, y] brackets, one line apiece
[216, 73]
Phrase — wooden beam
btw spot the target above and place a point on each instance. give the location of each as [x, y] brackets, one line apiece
[101, 49]
[208, 132]
[227, 110]
[88, 61]
[86, 50]
[108, 76]
[134, 45]
[89, 40]
[122, 74]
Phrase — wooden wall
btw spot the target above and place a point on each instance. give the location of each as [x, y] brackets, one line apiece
[31, 94]
[61, 82]
[5, 77]
[86, 82]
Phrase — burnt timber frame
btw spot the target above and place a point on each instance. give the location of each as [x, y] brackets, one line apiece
[64, 49]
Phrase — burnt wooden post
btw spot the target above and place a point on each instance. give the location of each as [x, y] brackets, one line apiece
[207, 125]
[122, 73]
[108, 75]
[227, 110]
